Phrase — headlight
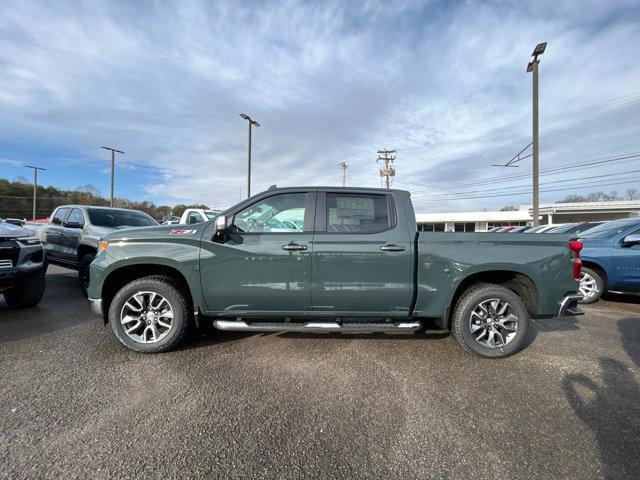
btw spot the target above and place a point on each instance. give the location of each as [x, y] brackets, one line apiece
[102, 246]
[28, 241]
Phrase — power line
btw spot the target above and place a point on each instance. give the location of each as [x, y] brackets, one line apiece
[548, 171]
[566, 181]
[527, 191]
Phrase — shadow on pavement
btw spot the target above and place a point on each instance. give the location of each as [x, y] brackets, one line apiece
[611, 410]
[629, 329]
[562, 324]
[621, 298]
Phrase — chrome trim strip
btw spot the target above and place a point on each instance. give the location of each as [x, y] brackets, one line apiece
[317, 327]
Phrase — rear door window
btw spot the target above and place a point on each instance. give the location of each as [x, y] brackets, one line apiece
[357, 213]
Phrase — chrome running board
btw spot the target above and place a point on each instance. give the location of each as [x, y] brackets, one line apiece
[317, 327]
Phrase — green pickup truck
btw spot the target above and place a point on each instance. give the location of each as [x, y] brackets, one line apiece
[325, 259]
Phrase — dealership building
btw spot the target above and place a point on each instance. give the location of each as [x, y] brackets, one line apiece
[548, 214]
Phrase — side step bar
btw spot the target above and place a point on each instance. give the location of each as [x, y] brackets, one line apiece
[317, 327]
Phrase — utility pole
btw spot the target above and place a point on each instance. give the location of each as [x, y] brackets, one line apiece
[389, 171]
[533, 67]
[35, 186]
[343, 166]
[251, 124]
[113, 162]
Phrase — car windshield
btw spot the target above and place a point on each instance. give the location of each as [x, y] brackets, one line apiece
[562, 229]
[611, 229]
[103, 217]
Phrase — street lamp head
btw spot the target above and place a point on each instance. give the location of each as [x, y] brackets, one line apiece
[539, 50]
[245, 116]
[254, 123]
[530, 67]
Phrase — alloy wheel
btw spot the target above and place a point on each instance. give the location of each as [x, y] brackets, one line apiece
[588, 285]
[146, 317]
[493, 323]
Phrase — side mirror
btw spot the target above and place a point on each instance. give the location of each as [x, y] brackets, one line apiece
[630, 240]
[221, 223]
[72, 225]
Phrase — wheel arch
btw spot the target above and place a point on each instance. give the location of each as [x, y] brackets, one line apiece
[598, 268]
[85, 250]
[119, 277]
[520, 283]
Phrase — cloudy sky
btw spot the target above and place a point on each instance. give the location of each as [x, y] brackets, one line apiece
[441, 82]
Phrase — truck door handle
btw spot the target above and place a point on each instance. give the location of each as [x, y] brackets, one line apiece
[294, 246]
[392, 248]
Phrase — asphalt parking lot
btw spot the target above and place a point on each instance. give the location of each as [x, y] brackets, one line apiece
[75, 403]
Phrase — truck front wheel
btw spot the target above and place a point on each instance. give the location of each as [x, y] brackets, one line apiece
[490, 320]
[150, 315]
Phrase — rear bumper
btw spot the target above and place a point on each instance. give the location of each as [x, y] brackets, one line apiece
[95, 305]
[569, 306]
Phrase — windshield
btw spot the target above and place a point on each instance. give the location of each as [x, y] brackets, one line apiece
[563, 229]
[610, 229]
[102, 217]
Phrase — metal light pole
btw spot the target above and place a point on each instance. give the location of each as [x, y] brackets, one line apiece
[35, 186]
[113, 162]
[533, 67]
[251, 124]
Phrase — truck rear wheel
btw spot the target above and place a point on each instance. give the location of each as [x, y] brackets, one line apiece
[490, 321]
[150, 315]
[27, 294]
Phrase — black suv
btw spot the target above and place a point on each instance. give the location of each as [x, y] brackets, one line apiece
[21, 266]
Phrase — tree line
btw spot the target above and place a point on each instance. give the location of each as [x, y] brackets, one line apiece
[16, 200]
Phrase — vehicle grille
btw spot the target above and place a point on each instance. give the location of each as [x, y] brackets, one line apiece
[9, 250]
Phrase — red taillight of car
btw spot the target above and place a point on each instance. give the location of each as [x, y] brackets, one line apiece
[575, 246]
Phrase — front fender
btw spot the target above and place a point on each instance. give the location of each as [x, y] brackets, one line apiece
[182, 256]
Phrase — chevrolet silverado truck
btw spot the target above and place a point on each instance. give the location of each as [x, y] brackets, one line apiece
[22, 276]
[72, 234]
[358, 264]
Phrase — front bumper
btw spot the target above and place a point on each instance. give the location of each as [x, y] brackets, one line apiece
[569, 306]
[95, 305]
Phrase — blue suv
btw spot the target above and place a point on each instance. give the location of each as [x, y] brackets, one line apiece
[610, 258]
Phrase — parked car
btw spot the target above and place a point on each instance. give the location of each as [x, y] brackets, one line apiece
[22, 278]
[493, 229]
[610, 259]
[574, 227]
[506, 229]
[13, 221]
[72, 235]
[519, 229]
[170, 220]
[197, 215]
[358, 265]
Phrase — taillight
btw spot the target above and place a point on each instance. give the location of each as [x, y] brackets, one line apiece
[575, 246]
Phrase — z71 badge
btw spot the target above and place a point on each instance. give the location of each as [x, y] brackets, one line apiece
[182, 232]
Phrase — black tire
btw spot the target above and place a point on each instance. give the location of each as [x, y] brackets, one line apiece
[472, 298]
[591, 296]
[27, 294]
[83, 272]
[165, 286]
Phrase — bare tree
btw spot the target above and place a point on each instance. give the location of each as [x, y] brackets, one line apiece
[633, 194]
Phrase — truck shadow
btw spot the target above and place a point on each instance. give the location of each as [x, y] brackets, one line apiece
[609, 407]
[562, 324]
[621, 298]
[629, 329]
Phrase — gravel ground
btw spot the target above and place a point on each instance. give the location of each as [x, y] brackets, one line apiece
[75, 403]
